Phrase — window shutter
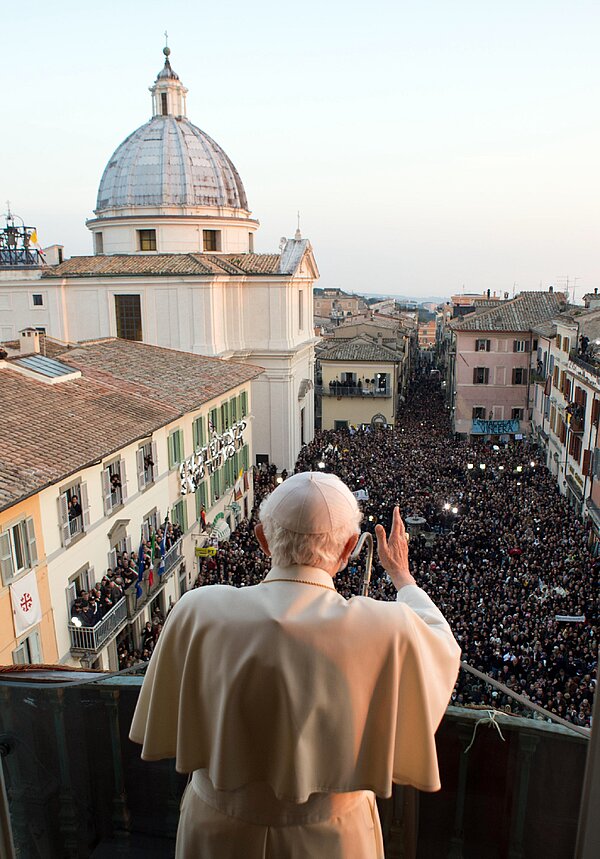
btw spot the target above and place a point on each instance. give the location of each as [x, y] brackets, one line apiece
[71, 597]
[33, 555]
[128, 544]
[488, 345]
[595, 410]
[139, 461]
[183, 522]
[475, 376]
[123, 475]
[180, 453]
[35, 651]
[112, 559]
[515, 345]
[146, 531]
[527, 346]
[106, 498]
[586, 462]
[514, 376]
[63, 519]
[85, 505]
[7, 565]
[154, 460]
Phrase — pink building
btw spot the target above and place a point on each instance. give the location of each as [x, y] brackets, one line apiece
[492, 364]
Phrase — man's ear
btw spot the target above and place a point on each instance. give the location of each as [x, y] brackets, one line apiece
[348, 549]
[259, 533]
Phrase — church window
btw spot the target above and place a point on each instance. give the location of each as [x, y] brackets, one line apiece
[251, 243]
[37, 299]
[98, 243]
[129, 317]
[147, 240]
[211, 240]
[163, 103]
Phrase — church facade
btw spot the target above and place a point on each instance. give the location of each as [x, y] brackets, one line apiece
[174, 265]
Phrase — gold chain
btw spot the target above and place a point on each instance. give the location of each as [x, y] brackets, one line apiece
[300, 582]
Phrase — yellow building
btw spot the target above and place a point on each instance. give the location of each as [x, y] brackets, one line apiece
[27, 633]
[359, 383]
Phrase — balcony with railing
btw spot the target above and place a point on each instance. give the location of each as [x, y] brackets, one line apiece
[75, 525]
[589, 360]
[76, 786]
[148, 589]
[352, 391]
[94, 638]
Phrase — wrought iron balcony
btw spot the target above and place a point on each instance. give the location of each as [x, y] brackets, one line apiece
[351, 391]
[75, 525]
[136, 603]
[94, 638]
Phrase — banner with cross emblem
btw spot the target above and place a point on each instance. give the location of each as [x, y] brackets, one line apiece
[27, 609]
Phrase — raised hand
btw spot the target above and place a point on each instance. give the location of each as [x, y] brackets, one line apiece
[393, 552]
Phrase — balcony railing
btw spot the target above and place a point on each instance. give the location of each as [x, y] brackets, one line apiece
[586, 362]
[511, 786]
[172, 560]
[94, 638]
[348, 391]
[75, 525]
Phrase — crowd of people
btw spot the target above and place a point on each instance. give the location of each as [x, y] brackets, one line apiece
[501, 552]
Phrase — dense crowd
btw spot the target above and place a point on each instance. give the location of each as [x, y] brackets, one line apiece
[501, 553]
[511, 558]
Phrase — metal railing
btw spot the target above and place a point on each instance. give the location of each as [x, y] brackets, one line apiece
[351, 391]
[76, 525]
[174, 555]
[93, 638]
[136, 603]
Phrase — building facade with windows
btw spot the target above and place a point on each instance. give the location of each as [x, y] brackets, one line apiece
[174, 265]
[490, 366]
[359, 381]
[119, 437]
[26, 619]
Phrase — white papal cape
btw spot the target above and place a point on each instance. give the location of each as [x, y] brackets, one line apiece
[288, 685]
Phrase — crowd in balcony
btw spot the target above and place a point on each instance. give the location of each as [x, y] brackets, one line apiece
[91, 606]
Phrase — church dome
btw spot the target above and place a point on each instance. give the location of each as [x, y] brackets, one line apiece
[170, 162]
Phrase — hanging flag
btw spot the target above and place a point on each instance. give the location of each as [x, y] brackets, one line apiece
[27, 609]
[238, 486]
[33, 238]
[151, 570]
[141, 569]
[163, 548]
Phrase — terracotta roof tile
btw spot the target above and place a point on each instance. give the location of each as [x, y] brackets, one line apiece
[126, 391]
[161, 265]
[520, 314]
[358, 349]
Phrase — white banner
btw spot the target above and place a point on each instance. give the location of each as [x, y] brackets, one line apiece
[27, 609]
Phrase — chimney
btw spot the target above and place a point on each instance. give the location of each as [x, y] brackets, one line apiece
[29, 341]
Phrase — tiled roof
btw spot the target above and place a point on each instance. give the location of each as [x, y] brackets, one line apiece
[358, 349]
[148, 265]
[126, 391]
[520, 314]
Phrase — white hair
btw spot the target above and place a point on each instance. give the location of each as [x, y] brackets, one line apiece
[312, 550]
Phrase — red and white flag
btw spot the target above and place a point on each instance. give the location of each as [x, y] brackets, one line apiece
[27, 609]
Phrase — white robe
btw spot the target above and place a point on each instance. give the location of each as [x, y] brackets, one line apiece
[288, 685]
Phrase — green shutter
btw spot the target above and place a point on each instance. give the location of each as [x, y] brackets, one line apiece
[243, 402]
[233, 409]
[171, 455]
